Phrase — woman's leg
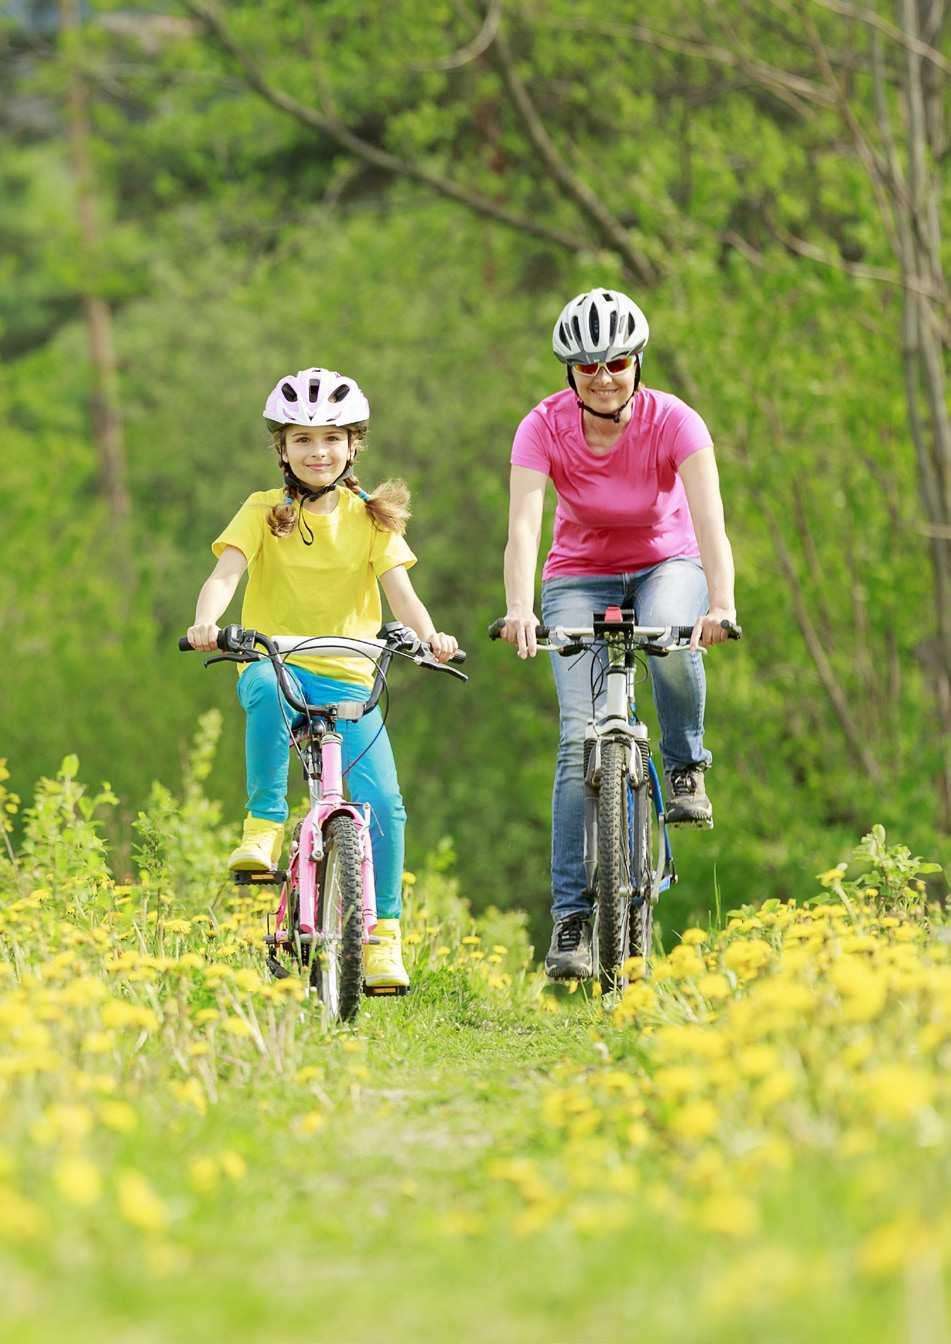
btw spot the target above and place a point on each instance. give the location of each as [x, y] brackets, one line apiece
[571, 602]
[675, 593]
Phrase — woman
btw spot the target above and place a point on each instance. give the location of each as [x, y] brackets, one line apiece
[639, 512]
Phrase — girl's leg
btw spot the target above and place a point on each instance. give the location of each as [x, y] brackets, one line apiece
[570, 602]
[266, 742]
[370, 777]
[675, 593]
[370, 772]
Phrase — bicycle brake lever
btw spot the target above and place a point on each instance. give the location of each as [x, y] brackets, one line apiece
[232, 658]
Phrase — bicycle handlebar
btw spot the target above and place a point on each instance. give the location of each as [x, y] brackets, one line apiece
[646, 632]
[238, 645]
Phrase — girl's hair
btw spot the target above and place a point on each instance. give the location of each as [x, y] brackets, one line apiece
[387, 505]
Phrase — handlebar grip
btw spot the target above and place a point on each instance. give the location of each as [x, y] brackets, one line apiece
[733, 631]
[223, 641]
[683, 631]
[458, 657]
[495, 630]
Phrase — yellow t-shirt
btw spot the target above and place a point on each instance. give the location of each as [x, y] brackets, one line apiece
[329, 588]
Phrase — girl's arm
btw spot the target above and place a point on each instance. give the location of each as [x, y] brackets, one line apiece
[406, 607]
[214, 598]
[526, 501]
[702, 484]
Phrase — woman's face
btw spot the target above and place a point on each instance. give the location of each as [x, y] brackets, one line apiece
[317, 454]
[605, 391]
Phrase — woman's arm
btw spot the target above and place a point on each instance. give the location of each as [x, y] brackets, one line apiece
[406, 607]
[702, 484]
[214, 598]
[526, 503]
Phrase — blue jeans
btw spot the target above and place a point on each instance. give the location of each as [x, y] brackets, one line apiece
[371, 779]
[671, 593]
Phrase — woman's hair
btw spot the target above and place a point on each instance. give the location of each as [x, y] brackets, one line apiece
[387, 505]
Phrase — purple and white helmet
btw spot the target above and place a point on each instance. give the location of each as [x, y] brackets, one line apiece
[316, 397]
[599, 325]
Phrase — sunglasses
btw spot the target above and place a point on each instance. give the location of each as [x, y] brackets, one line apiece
[612, 365]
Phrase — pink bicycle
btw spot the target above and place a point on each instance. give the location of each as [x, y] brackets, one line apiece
[327, 905]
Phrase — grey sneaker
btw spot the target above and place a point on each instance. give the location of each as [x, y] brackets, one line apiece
[569, 956]
[687, 801]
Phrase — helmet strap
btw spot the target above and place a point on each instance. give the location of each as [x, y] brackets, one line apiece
[305, 494]
[605, 415]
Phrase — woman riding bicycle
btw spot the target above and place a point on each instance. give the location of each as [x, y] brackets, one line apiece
[317, 552]
[639, 518]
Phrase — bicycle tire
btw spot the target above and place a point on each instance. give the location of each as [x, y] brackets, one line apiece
[641, 930]
[614, 865]
[336, 970]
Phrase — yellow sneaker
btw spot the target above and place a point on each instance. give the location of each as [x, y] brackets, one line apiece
[383, 967]
[260, 847]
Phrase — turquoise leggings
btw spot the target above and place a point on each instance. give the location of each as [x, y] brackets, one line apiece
[372, 779]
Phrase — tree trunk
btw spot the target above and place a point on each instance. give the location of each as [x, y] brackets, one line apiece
[104, 403]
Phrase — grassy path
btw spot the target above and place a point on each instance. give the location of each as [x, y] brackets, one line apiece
[751, 1146]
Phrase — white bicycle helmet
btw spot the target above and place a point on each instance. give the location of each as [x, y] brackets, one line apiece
[316, 397]
[599, 325]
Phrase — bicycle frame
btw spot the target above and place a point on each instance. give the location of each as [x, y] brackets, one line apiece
[325, 788]
[618, 721]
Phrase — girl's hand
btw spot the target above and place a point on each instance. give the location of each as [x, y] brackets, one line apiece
[203, 637]
[708, 630]
[520, 631]
[443, 646]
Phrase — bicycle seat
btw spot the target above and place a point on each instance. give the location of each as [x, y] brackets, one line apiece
[345, 709]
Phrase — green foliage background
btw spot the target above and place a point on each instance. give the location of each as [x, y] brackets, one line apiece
[236, 243]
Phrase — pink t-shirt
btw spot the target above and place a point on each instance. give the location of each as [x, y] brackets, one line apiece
[626, 510]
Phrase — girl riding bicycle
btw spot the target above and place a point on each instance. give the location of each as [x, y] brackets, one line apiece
[317, 552]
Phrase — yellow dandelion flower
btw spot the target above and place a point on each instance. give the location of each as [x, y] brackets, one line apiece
[204, 1174]
[139, 1204]
[233, 1165]
[733, 1215]
[20, 1220]
[190, 1093]
[897, 1091]
[714, 987]
[118, 1115]
[78, 1181]
[696, 1120]
[236, 1026]
[693, 937]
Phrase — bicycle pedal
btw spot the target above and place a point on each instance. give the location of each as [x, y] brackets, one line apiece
[385, 991]
[273, 877]
[277, 970]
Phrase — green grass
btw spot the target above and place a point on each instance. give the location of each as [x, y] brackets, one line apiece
[482, 1159]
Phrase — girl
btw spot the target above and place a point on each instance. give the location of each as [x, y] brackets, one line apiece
[315, 553]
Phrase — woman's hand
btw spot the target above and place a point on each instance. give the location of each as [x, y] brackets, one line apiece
[709, 631]
[203, 637]
[443, 646]
[520, 631]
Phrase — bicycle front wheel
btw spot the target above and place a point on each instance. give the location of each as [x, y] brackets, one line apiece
[642, 905]
[614, 864]
[336, 970]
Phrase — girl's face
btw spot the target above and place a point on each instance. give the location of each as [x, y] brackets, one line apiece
[605, 391]
[317, 454]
